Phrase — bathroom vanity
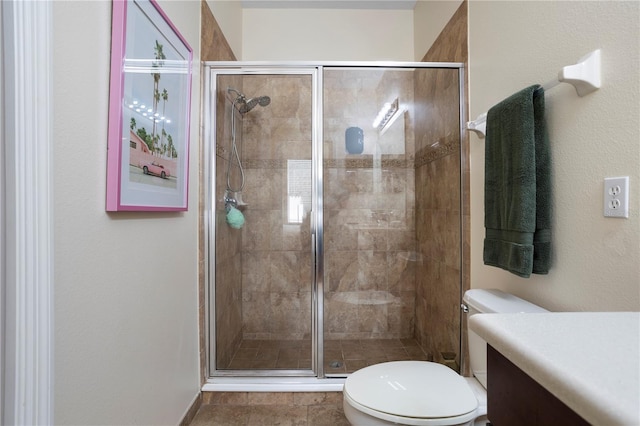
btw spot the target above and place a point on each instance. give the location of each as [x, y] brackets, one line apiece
[562, 367]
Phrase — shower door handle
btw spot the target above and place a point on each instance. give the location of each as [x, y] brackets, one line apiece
[312, 229]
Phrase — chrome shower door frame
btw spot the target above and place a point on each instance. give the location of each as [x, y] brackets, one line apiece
[211, 71]
[286, 380]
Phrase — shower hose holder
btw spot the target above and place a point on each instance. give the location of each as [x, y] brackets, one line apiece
[229, 201]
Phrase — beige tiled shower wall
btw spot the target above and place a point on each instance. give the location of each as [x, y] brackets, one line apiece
[214, 47]
[276, 257]
[228, 245]
[369, 208]
[442, 198]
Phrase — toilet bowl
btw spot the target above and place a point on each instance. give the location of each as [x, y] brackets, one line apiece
[409, 393]
[425, 393]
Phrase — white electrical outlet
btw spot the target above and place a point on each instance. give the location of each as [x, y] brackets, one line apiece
[616, 197]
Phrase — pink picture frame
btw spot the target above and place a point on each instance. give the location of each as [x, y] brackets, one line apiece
[149, 111]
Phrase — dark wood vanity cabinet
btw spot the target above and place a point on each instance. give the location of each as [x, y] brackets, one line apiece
[515, 399]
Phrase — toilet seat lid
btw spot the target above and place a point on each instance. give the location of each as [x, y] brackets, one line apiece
[417, 389]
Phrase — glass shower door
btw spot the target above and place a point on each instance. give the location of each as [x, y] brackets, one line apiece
[263, 202]
[392, 223]
[335, 227]
[369, 222]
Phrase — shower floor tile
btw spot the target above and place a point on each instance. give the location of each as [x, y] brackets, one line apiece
[347, 356]
[340, 356]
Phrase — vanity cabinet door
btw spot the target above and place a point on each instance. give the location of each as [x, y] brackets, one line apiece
[514, 398]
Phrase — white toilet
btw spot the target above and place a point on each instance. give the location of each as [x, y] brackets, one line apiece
[428, 393]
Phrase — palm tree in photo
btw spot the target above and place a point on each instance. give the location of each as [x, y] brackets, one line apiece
[164, 145]
[156, 145]
[133, 124]
[154, 119]
[165, 98]
[159, 57]
[172, 148]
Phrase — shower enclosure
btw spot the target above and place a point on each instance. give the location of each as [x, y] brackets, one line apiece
[332, 217]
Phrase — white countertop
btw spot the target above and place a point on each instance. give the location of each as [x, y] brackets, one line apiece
[588, 360]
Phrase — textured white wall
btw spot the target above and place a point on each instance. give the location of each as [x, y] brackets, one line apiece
[126, 329]
[429, 18]
[515, 44]
[228, 14]
[327, 35]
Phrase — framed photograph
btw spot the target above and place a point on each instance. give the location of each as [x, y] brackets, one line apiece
[149, 111]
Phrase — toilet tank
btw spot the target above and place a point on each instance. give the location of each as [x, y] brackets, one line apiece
[490, 301]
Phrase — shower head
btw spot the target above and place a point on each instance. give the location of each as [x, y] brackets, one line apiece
[232, 90]
[249, 104]
[240, 98]
[245, 105]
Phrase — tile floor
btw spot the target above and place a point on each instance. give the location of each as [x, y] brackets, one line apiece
[297, 408]
[261, 409]
[341, 356]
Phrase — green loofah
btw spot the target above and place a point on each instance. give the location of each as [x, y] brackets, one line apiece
[235, 218]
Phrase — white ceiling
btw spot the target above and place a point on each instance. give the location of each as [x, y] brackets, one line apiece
[329, 4]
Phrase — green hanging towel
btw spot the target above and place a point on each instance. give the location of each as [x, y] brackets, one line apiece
[517, 189]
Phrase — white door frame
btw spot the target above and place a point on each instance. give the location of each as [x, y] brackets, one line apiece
[27, 217]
